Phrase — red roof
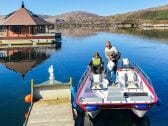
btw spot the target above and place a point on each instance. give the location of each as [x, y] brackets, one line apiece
[1, 21]
[24, 17]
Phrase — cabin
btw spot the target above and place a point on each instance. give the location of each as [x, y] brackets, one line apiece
[23, 23]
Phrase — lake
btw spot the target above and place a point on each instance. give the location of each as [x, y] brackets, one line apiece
[148, 49]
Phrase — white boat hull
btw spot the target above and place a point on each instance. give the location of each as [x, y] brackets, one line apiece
[93, 114]
[132, 90]
[139, 113]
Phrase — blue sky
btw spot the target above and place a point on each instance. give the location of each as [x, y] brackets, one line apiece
[100, 7]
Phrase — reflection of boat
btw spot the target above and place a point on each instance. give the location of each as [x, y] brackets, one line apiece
[114, 117]
[131, 90]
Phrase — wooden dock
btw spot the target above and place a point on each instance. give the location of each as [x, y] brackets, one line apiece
[50, 113]
[27, 37]
[53, 107]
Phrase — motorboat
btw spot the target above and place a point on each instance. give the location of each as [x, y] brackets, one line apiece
[132, 90]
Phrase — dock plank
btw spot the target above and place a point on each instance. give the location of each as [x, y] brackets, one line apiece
[51, 113]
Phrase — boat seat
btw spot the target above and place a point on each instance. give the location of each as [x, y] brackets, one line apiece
[115, 94]
[95, 86]
[116, 98]
[99, 82]
[140, 98]
[131, 80]
[114, 89]
[132, 85]
[97, 79]
[93, 100]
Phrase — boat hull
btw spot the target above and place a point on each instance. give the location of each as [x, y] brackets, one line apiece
[139, 113]
[137, 95]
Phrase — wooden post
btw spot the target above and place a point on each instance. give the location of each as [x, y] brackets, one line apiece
[29, 27]
[32, 85]
[7, 30]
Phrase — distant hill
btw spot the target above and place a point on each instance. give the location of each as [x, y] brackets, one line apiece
[77, 14]
[74, 15]
[78, 19]
[153, 15]
[157, 15]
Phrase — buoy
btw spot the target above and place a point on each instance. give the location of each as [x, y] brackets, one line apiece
[28, 98]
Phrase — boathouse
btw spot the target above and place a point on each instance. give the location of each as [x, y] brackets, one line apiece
[24, 23]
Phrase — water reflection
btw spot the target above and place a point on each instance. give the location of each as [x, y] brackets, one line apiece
[72, 61]
[22, 60]
[120, 118]
[148, 33]
[113, 117]
[87, 32]
[78, 32]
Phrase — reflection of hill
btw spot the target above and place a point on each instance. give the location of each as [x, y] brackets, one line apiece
[81, 32]
[22, 60]
[156, 34]
[78, 33]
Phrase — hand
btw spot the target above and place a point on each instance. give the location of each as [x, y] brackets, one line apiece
[109, 58]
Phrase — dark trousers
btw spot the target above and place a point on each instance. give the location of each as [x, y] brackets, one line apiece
[97, 69]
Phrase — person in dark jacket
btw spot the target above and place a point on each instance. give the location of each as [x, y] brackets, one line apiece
[96, 64]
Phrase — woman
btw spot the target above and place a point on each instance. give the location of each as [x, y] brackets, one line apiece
[96, 64]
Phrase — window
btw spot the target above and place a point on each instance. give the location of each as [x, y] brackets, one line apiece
[2, 29]
[16, 29]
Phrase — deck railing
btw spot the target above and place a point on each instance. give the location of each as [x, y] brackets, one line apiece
[82, 78]
[145, 75]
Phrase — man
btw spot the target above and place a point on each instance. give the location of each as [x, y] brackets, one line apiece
[111, 52]
[112, 56]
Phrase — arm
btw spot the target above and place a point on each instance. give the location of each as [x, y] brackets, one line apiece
[102, 63]
[107, 54]
[115, 50]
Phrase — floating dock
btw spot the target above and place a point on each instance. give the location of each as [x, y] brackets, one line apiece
[50, 105]
[50, 113]
[33, 41]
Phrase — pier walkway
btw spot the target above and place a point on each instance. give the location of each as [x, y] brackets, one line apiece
[50, 104]
[51, 113]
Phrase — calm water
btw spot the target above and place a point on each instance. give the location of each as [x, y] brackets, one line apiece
[19, 66]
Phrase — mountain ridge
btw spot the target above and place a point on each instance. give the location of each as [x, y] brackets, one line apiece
[155, 15]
